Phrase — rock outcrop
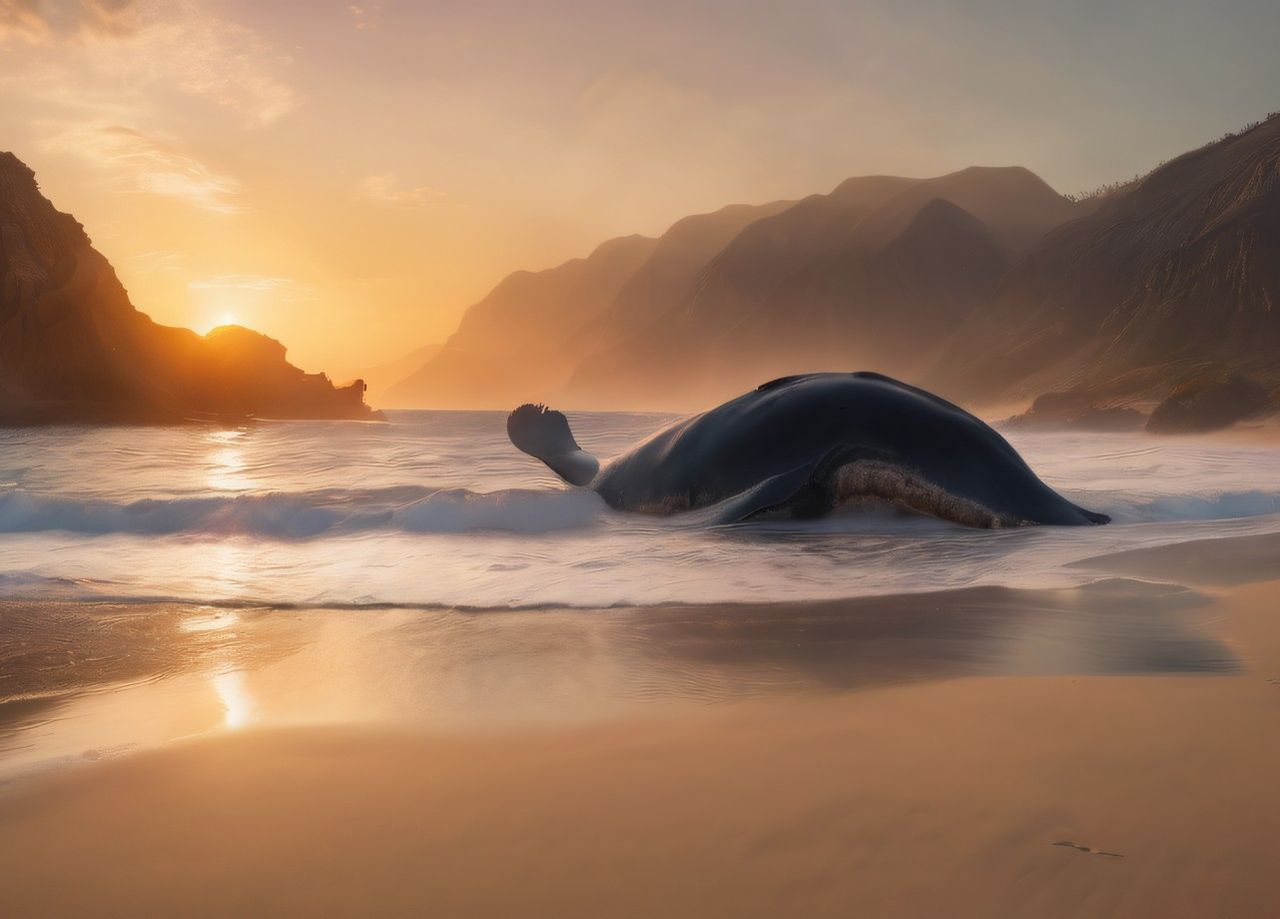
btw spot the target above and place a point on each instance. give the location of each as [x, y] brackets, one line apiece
[1077, 411]
[73, 347]
[1209, 405]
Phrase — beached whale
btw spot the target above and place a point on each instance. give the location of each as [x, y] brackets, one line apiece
[806, 445]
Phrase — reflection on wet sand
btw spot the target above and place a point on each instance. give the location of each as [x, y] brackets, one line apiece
[1111, 627]
[145, 675]
[237, 703]
[82, 679]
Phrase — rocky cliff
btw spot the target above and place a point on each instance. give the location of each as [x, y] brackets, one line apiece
[74, 348]
[1175, 276]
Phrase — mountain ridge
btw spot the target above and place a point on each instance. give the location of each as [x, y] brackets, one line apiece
[984, 284]
[1171, 276]
[809, 287]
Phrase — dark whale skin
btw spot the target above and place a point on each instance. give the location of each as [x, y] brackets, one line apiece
[806, 442]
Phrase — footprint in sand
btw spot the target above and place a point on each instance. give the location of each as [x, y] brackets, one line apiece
[1088, 849]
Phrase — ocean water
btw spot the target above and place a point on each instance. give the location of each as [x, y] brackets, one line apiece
[438, 510]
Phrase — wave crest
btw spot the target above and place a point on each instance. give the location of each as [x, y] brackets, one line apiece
[306, 515]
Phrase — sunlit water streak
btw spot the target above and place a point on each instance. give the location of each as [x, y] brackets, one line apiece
[438, 509]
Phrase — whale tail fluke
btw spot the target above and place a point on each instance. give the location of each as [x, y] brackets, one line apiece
[544, 433]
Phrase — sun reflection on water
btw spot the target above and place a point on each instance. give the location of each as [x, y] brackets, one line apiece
[233, 693]
[227, 462]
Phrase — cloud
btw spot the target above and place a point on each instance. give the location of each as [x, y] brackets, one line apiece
[111, 52]
[287, 288]
[149, 165]
[217, 60]
[366, 15]
[243, 282]
[385, 190]
[36, 21]
[159, 260]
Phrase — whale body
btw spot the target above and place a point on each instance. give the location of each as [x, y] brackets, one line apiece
[806, 445]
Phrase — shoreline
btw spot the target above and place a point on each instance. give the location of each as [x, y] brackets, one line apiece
[974, 796]
[987, 751]
[131, 641]
[141, 677]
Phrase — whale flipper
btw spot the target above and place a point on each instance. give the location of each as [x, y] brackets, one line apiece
[773, 493]
[544, 433]
[805, 491]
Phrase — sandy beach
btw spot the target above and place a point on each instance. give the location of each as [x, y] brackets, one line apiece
[937, 792]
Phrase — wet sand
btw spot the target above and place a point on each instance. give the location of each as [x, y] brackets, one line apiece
[959, 785]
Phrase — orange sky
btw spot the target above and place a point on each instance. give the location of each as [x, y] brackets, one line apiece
[347, 177]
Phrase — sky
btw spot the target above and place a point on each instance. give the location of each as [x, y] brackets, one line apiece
[348, 177]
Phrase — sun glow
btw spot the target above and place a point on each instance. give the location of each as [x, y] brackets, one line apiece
[218, 322]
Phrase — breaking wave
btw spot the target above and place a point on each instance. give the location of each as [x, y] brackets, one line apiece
[307, 515]
[412, 509]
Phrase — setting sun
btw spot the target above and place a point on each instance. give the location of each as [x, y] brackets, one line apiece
[217, 323]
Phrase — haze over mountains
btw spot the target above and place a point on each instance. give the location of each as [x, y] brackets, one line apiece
[73, 348]
[530, 332]
[379, 380]
[1175, 275]
[985, 283]
[876, 275]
